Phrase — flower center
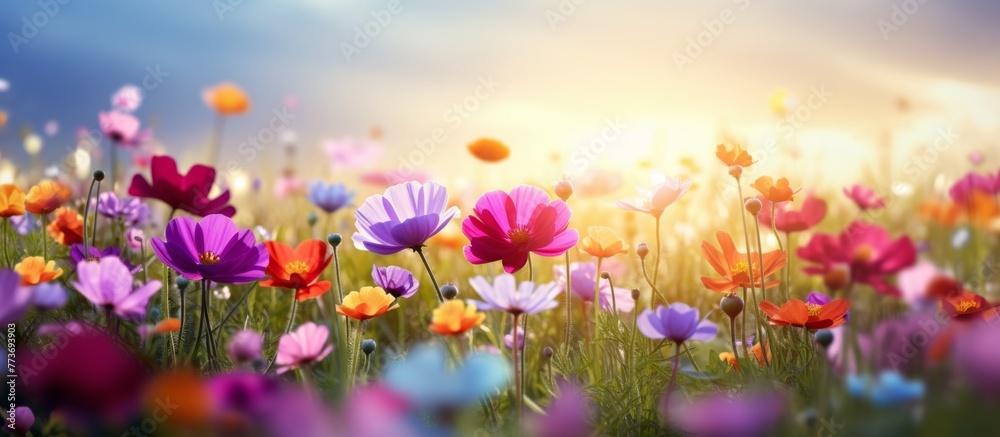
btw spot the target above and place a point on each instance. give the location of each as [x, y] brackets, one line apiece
[813, 309]
[209, 258]
[519, 236]
[296, 267]
[864, 253]
[741, 267]
[966, 306]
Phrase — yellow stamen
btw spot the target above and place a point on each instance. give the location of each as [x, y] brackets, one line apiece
[209, 258]
[813, 309]
[864, 253]
[966, 306]
[519, 236]
[296, 267]
[741, 267]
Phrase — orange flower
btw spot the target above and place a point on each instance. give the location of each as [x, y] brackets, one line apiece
[67, 228]
[964, 305]
[11, 201]
[943, 213]
[34, 270]
[227, 99]
[454, 317]
[775, 192]
[186, 392]
[3, 118]
[46, 197]
[808, 315]
[602, 242]
[367, 303]
[758, 352]
[982, 208]
[489, 150]
[729, 357]
[736, 156]
[169, 325]
[736, 269]
[298, 269]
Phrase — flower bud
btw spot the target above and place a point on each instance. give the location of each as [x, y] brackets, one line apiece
[837, 277]
[182, 283]
[605, 275]
[824, 337]
[635, 294]
[368, 346]
[753, 205]
[547, 352]
[564, 189]
[312, 218]
[334, 239]
[642, 250]
[449, 291]
[736, 171]
[732, 305]
[99, 175]
[23, 419]
[809, 417]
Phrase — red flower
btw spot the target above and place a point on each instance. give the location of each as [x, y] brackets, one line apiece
[298, 269]
[965, 305]
[807, 315]
[185, 192]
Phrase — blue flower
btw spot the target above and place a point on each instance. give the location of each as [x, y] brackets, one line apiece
[888, 390]
[424, 378]
[329, 197]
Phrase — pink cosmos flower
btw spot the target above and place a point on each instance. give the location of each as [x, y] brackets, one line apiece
[303, 347]
[961, 191]
[122, 128]
[654, 201]
[863, 253]
[788, 220]
[509, 227]
[864, 197]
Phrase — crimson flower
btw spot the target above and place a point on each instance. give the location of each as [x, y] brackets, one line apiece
[863, 253]
[788, 220]
[185, 192]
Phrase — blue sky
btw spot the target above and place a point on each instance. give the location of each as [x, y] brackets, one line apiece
[559, 84]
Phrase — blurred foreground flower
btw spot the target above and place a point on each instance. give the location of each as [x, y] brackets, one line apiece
[571, 414]
[430, 385]
[888, 390]
[15, 297]
[303, 347]
[719, 415]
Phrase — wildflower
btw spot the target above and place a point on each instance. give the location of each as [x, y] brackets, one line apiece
[164, 327]
[213, 249]
[889, 390]
[302, 348]
[15, 297]
[730, 359]
[864, 197]
[505, 294]
[583, 275]
[758, 350]
[678, 323]
[226, 99]
[775, 192]
[733, 157]
[509, 227]
[943, 213]
[455, 317]
[396, 281]
[187, 192]
[787, 220]
[345, 153]
[489, 150]
[132, 211]
[747, 415]
[122, 128]
[570, 414]
[863, 251]
[108, 285]
[736, 269]
[127, 98]
[405, 217]
[662, 195]
[46, 197]
[518, 333]
[34, 270]
[245, 347]
[963, 189]
[975, 356]
[77, 255]
[135, 238]
[11, 201]
[48, 295]
[24, 224]
[808, 315]
[298, 269]
[966, 305]
[67, 228]
[425, 380]
[602, 242]
[367, 303]
[329, 197]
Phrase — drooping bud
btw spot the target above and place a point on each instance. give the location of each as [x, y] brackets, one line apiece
[605, 275]
[824, 337]
[547, 352]
[368, 346]
[334, 239]
[449, 291]
[732, 305]
[642, 249]
[635, 294]
[564, 189]
[736, 171]
[753, 205]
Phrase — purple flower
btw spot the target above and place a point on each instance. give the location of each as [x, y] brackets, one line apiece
[582, 285]
[718, 415]
[504, 294]
[396, 281]
[77, 256]
[508, 340]
[132, 211]
[821, 299]
[678, 322]
[961, 191]
[48, 295]
[304, 347]
[245, 347]
[24, 224]
[976, 356]
[329, 197]
[213, 249]
[15, 298]
[570, 414]
[405, 217]
[108, 284]
[22, 420]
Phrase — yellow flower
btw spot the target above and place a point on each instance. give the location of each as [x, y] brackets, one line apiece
[367, 303]
[46, 197]
[11, 200]
[602, 242]
[454, 317]
[729, 357]
[34, 270]
[227, 99]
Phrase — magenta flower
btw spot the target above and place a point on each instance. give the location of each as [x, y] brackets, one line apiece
[108, 285]
[571, 414]
[213, 249]
[245, 347]
[864, 197]
[961, 191]
[718, 415]
[396, 281]
[678, 323]
[184, 192]
[654, 201]
[864, 252]
[582, 285]
[810, 213]
[505, 294]
[122, 128]
[508, 228]
[302, 348]
[405, 217]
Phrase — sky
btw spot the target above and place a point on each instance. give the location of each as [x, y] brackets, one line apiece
[659, 80]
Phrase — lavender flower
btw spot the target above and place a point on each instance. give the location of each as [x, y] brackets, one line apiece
[405, 217]
[396, 281]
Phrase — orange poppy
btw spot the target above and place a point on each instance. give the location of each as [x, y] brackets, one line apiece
[11, 200]
[227, 99]
[67, 228]
[367, 303]
[455, 317]
[736, 269]
[965, 305]
[775, 192]
[736, 156]
[808, 315]
[298, 269]
[166, 326]
[730, 358]
[489, 150]
[34, 270]
[758, 352]
[943, 213]
[46, 197]
[982, 208]
[602, 242]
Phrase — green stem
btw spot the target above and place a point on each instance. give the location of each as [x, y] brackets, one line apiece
[6, 252]
[431, 274]
[569, 305]
[652, 286]
[597, 299]
[656, 268]
[760, 261]
[746, 234]
[355, 347]
[93, 228]
[45, 234]
[86, 212]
